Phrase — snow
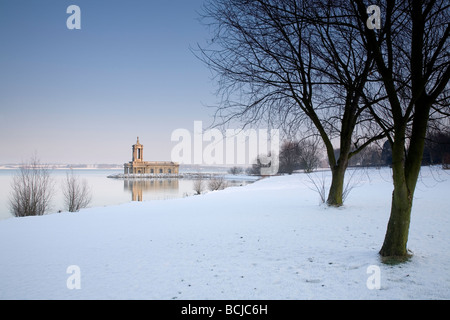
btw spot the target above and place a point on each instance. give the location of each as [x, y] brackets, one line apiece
[268, 240]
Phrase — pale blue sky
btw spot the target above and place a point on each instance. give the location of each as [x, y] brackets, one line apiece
[82, 96]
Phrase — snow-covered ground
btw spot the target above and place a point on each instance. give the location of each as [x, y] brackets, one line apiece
[268, 240]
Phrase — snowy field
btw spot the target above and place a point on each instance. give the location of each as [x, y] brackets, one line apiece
[268, 240]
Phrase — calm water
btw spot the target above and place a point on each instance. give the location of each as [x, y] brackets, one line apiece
[106, 192]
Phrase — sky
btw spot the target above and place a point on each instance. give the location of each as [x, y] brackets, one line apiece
[83, 96]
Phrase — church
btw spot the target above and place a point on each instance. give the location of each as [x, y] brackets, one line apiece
[139, 166]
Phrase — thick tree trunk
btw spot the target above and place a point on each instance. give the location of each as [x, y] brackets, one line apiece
[335, 198]
[428, 71]
[396, 238]
[405, 172]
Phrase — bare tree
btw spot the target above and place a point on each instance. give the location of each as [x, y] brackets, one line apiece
[411, 52]
[302, 154]
[289, 63]
[437, 145]
[369, 157]
[32, 189]
[76, 192]
[290, 153]
[309, 156]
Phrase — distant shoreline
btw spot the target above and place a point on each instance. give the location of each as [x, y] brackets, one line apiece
[66, 167]
[105, 166]
[186, 175]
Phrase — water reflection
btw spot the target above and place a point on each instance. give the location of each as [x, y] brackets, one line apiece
[163, 187]
[111, 192]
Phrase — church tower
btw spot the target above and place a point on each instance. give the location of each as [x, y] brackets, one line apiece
[138, 152]
[137, 165]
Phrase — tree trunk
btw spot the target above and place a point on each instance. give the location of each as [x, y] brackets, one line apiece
[335, 195]
[396, 237]
[335, 198]
[405, 172]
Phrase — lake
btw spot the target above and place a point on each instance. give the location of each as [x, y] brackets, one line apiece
[107, 192]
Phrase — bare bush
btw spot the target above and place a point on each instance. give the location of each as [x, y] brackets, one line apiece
[262, 162]
[76, 192]
[32, 190]
[199, 185]
[235, 170]
[318, 184]
[254, 170]
[355, 178]
[217, 183]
